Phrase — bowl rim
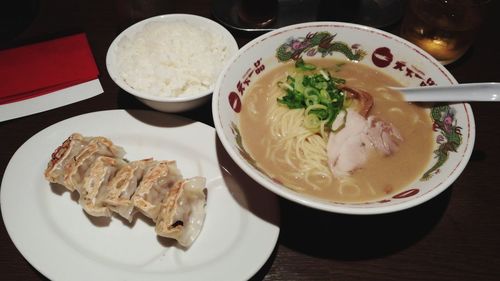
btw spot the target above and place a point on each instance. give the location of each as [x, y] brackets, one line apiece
[317, 203]
[191, 18]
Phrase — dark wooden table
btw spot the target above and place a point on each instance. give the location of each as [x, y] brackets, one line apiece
[455, 236]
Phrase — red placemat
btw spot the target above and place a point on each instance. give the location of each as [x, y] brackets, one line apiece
[45, 67]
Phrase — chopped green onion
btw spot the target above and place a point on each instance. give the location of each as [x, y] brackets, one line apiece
[312, 122]
[310, 91]
[315, 107]
[300, 64]
[285, 86]
[317, 92]
[298, 82]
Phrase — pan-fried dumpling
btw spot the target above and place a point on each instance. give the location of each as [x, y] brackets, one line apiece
[95, 183]
[107, 184]
[75, 170]
[183, 211]
[155, 184]
[123, 185]
[63, 155]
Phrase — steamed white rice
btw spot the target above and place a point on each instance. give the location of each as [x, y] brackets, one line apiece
[171, 58]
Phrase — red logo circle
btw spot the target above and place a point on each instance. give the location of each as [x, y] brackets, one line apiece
[382, 57]
[234, 101]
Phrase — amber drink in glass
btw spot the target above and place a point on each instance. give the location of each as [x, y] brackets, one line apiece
[443, 28]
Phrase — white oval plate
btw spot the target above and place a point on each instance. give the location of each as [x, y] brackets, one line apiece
[54, 234]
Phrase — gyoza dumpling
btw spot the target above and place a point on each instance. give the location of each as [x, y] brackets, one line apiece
[95, 183]
[123, 185]
[182, 213]
[64, 155]
[155, 184]
[78, 165]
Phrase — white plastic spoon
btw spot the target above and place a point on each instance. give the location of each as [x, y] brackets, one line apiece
[452, 93]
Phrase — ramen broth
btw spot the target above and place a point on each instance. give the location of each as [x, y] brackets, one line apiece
[380, 176]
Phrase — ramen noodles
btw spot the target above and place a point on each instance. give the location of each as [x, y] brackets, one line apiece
[334, 130]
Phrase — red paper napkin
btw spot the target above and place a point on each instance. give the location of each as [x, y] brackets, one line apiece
[45, 67]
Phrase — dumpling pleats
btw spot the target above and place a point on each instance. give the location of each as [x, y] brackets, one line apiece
[123, 186]
[182, 213]
[95, 183]
[62, 156]
[75, 169]
[154, 186]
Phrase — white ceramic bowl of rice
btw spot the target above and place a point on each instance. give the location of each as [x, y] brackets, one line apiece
[170, 62]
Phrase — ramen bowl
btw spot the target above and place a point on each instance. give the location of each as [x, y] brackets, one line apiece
[451, 127]
[170, 62]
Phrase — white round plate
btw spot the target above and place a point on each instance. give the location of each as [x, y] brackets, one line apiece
[54, 234]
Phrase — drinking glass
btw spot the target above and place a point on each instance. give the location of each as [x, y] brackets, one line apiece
[258, 13]
[443, 28]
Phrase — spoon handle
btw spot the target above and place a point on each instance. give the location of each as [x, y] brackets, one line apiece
[455, 93]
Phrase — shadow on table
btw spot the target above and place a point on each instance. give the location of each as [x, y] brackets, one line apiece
[349, 237]
[152, 117]
[202, 113]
